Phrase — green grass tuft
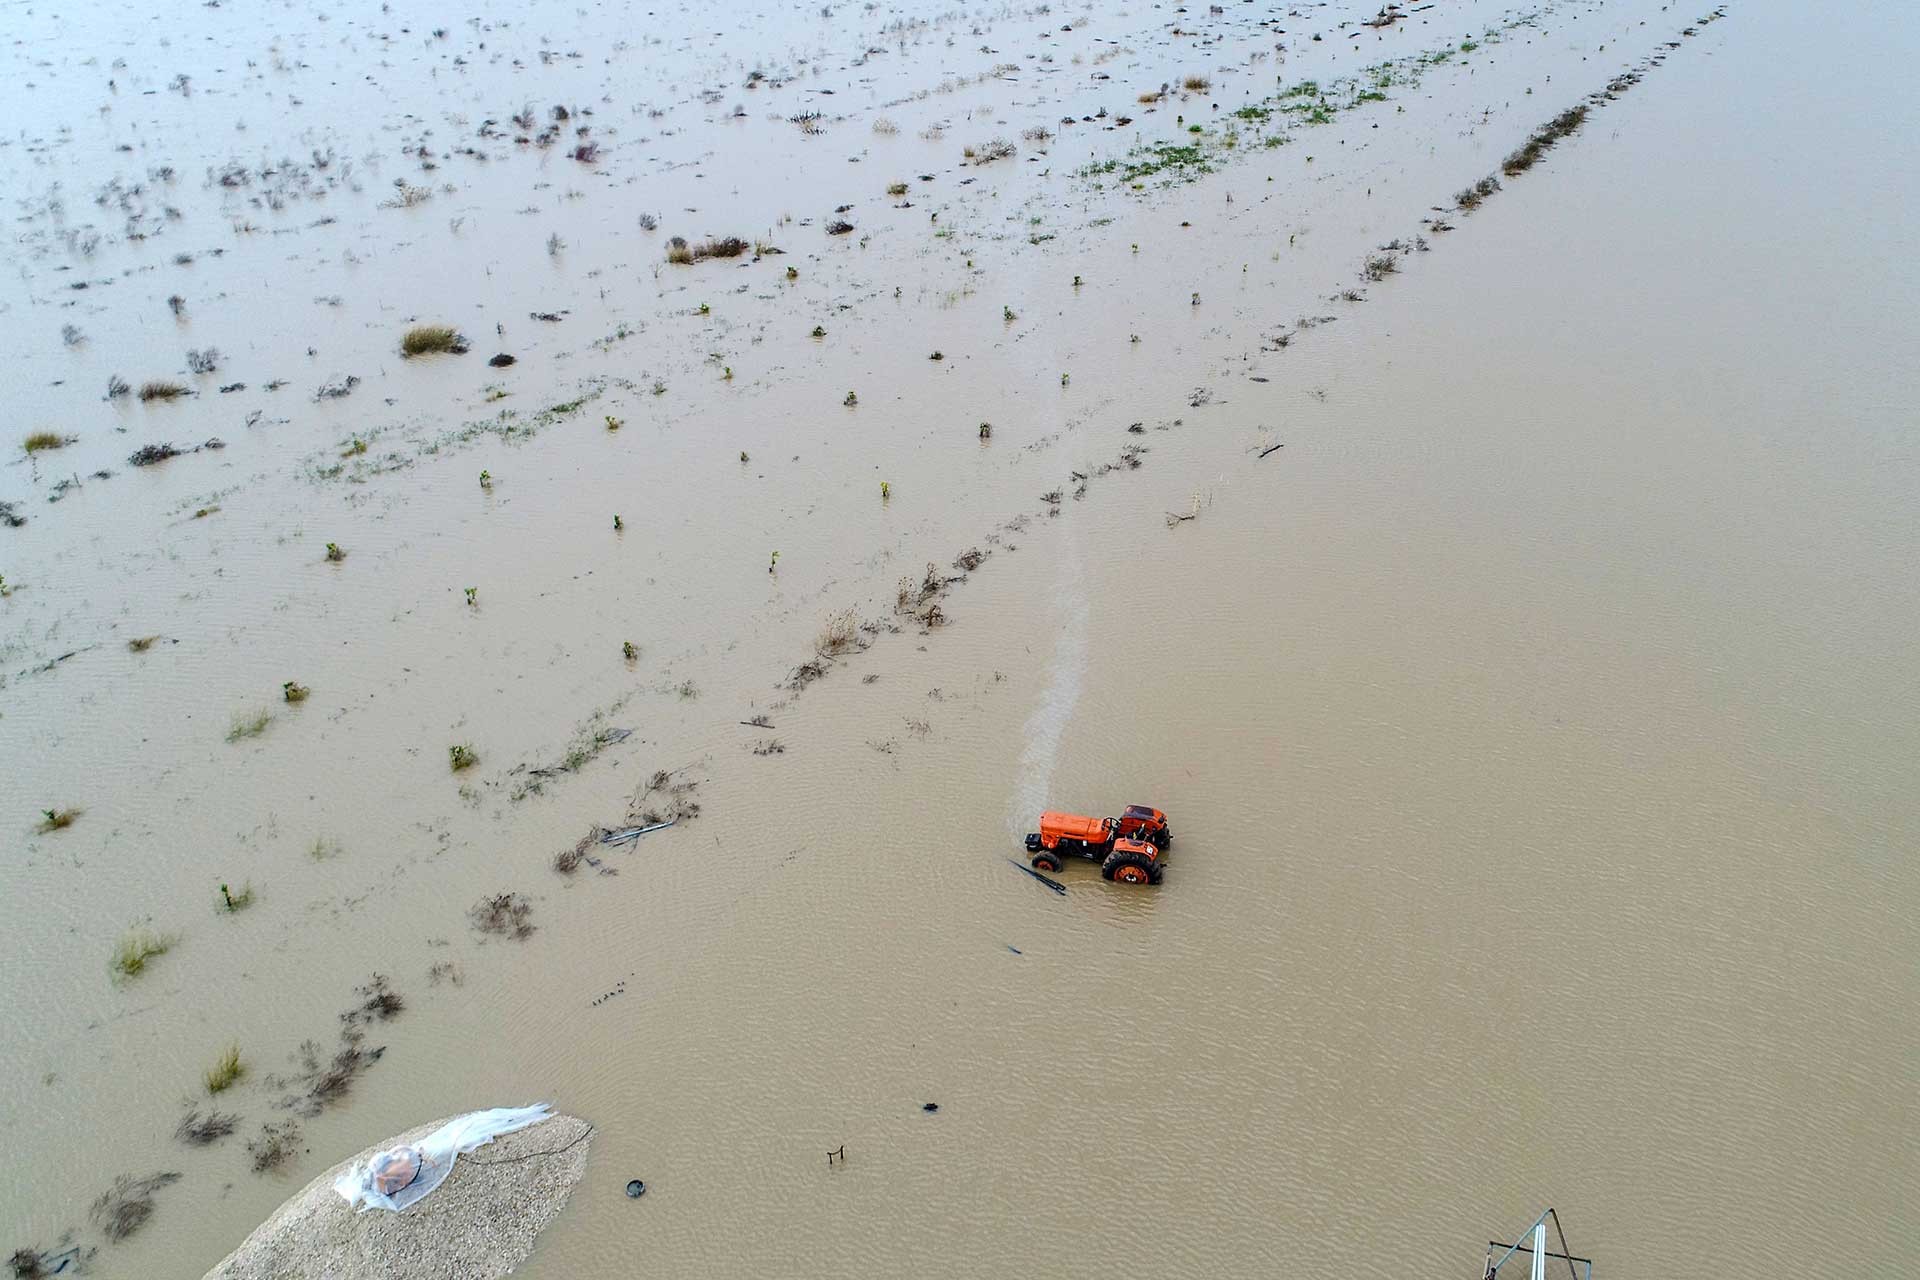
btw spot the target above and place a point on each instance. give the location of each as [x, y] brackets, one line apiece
[131, 953]
[46, 440]
[225, 1071]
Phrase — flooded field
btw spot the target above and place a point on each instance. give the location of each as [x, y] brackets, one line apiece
[1461, 468]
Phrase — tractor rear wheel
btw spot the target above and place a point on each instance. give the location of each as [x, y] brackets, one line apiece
[1046, 860]
[1129, 868]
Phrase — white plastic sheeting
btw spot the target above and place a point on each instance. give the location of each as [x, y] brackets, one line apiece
[402, 1176]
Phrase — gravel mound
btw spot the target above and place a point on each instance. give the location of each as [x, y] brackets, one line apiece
[479, 1224]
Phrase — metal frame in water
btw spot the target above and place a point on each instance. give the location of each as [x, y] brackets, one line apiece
[1538, 1251]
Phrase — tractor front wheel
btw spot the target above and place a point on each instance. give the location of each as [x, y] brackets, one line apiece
[1046, 860]
[1128, 868]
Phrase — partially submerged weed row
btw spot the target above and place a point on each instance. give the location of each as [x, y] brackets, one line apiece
[1542, 139]
[1471, 198]
[1270, 121]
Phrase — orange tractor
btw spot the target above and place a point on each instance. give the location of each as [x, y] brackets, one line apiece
[1128, 848]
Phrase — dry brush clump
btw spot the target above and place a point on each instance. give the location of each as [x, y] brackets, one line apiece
[504, 915]
[198, 1130]
[429, 339]
[319, 1082]
[125, 1207]
[989, 151]
[275, 1147]
[839, 634]
[568, 861]
[148, 455]
[1379, 266]
[921, 600]
[40, 441]
[379, 1002]
[683, 254]
[675, 793]
[158, 389]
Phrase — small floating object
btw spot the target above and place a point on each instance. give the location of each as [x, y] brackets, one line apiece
[636, 1189]
[929, 1107]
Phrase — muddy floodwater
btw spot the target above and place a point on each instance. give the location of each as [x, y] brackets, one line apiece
[1459, 461]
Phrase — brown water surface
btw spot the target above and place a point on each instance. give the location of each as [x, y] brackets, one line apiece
[1536, 726]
